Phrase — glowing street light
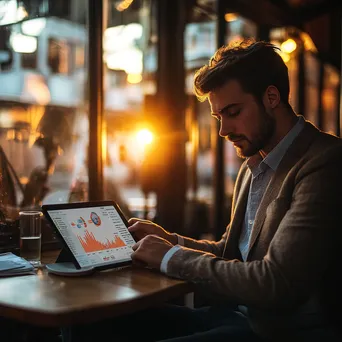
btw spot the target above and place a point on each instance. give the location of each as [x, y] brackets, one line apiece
[144, 137]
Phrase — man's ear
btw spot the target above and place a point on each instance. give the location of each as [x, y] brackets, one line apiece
[271, 97]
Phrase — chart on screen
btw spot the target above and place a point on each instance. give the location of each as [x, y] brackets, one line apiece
[93, 232]
[92, 244]
[94, 235]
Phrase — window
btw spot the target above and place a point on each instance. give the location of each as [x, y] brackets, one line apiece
[43, 114]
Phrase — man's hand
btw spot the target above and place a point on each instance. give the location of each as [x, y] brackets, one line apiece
[141, 228]
[150, 251]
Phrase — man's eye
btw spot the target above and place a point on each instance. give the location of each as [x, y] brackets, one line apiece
[237, 112]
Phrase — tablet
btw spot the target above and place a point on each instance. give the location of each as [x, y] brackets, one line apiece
[95, 233]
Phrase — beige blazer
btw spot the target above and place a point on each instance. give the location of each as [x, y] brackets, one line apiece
[294, 242]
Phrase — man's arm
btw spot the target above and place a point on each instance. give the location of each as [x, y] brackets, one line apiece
[214, 247]
[300, 252]
[201, 245]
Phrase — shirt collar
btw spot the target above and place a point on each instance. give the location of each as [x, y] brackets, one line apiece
[274, 158]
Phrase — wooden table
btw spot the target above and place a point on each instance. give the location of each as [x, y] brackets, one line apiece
[50, 300]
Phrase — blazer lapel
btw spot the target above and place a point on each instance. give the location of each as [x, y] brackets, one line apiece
[291, 157]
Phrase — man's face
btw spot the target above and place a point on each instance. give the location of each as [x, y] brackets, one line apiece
[244, 121]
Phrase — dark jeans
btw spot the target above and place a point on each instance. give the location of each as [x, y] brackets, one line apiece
[168, 323]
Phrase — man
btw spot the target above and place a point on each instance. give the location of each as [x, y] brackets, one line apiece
[273, 271]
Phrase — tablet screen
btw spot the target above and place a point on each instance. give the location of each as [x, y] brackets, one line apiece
[96, 236]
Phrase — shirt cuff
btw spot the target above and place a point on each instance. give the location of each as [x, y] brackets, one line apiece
[167, 257]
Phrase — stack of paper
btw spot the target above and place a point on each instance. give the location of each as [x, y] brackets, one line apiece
[12, 265]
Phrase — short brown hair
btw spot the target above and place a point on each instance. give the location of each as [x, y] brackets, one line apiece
[254, 64]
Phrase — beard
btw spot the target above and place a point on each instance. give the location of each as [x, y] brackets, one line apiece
[267, 129]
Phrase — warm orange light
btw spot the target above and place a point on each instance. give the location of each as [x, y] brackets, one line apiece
[309, 45]
[229, 17]
[144, 136]
[288, 46]
[24, 180]
[10, 134]
[285, 56]
[123, 5]
[104, 141]
[134, 78]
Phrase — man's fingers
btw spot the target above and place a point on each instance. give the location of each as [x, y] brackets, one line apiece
[133, 227]
[133, 220]
[136, 245]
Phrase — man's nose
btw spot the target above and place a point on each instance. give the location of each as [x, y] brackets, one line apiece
[225, 129]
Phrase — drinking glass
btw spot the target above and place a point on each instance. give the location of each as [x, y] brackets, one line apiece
[30, 236]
